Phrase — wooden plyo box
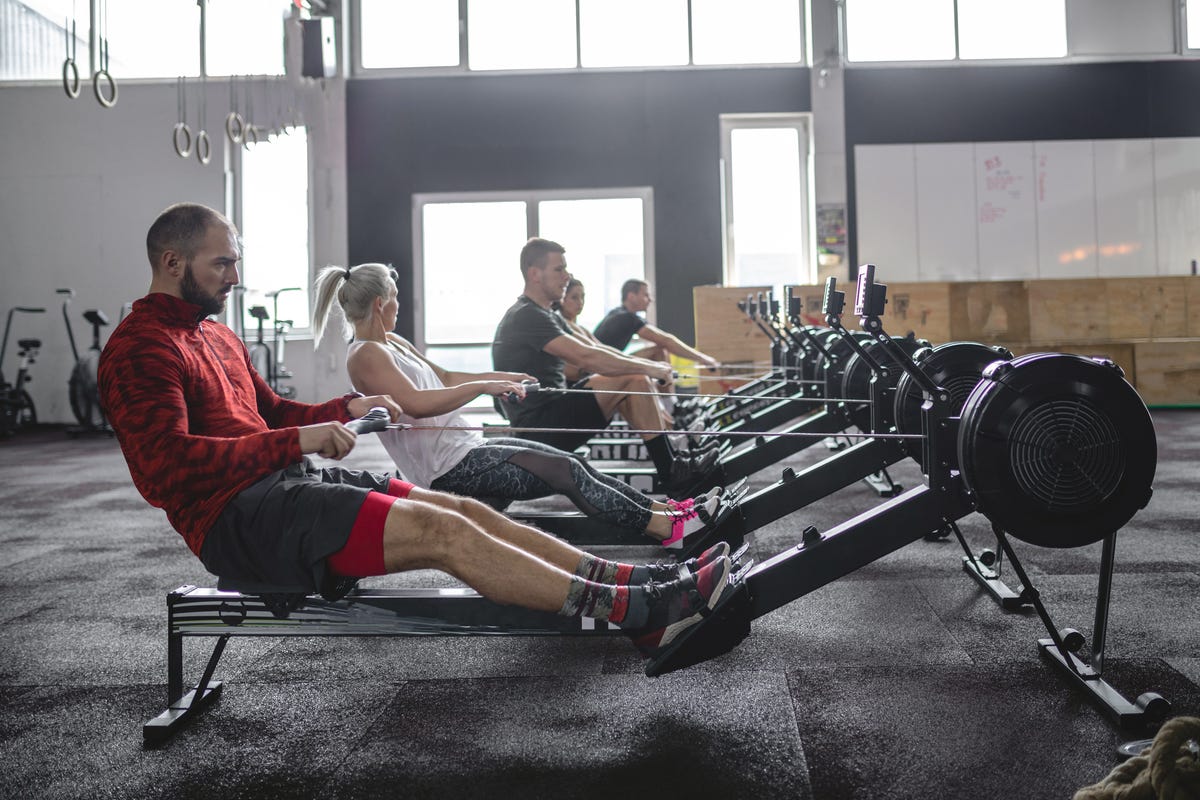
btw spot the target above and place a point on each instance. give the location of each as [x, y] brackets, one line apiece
[1168, 371]
[1120, 352]
[1068, 310]
[1154, 307]
[723, 330]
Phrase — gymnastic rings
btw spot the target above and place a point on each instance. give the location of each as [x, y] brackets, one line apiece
[250, 137]
[203, 147]
[70, 78]
[102, 76]
[235, 127]
[184, 149]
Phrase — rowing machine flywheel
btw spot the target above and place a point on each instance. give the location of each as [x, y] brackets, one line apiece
[856, 380]
[1058, 450]
[954, 366]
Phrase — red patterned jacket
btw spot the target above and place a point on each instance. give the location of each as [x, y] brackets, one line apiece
[196, 422]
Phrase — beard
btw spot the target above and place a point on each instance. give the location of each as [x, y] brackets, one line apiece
[210, 304]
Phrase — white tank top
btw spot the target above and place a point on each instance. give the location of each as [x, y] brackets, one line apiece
[424, 456]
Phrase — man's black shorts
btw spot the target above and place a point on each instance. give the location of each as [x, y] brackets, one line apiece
[276, 534]
[566, 411]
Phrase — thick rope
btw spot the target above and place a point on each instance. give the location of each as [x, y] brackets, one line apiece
[1167, 770]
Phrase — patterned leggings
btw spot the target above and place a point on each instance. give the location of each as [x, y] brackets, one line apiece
[502, 470]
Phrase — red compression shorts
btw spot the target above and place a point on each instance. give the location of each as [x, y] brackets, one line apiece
[362, 555]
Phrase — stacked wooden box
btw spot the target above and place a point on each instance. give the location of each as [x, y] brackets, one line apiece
[1149, 326]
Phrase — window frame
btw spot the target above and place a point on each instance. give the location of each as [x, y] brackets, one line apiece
[358, 71]
[235, 311]
[1181, 47]
[803, 123]
[531, 198]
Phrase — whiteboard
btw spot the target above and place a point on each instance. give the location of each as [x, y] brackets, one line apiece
[1064, 195]
[1125, 230]
[1004, 208]
[1017, 210]
[947, 240]
[1177, 203]
[887, 209]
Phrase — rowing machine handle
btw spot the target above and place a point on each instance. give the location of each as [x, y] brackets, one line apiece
[530, 388]
[373, 421]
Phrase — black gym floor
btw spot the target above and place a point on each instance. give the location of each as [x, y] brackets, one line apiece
[901, 681]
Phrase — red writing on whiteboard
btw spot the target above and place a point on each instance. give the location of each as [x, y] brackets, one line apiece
[992, 163]
[989, 213]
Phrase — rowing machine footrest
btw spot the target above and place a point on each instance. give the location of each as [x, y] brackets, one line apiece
[717, 634]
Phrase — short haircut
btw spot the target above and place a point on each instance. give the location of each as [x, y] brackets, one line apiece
[182, 227]
[535, 251]
[632, 286]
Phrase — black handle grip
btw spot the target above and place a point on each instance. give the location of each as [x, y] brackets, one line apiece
[375, 420]
[530, 388]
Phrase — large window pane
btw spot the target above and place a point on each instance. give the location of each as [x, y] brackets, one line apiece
[760, 32]
[886, 30]
[768, 208]
[275, 226]
[471, 267]
[605, 246]
[1192, 10]
[633, 33]
[396, 34]
[1012, 29]
[34, 39]
[521, 34]
[245, 37]
[150, 38]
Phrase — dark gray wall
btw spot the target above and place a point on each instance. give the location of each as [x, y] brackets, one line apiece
[556, 131]
[1125, 100]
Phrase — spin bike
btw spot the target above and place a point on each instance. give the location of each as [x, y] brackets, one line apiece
[83, 387]
[268, 359]
[1055, 450]
[17, 410]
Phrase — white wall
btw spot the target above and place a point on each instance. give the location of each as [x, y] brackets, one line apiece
[80, 184]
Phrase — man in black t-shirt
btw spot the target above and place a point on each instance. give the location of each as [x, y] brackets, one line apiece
[619, 325]
[532, 338]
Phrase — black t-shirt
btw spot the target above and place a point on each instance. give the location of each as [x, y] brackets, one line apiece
[517, 347]
[618, 327]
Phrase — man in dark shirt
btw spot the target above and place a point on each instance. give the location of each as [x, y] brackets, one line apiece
[619, 325]
[207, 440]
[532, 338]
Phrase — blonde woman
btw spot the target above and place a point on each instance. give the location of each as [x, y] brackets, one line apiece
[463, 462]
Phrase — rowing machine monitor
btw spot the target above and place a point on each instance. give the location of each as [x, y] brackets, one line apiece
[834, 301]
[871, 296]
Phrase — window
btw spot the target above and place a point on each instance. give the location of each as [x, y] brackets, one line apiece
[574, 34]
[767, 208]
[464, 283]
[141, 38]
[408, 33]
[627, 33]
[521, 34]
[943, 30]
[767, 31]
[1191, 22]
[1012, 29]
[882, 30]
[245, 38]
[274, 226]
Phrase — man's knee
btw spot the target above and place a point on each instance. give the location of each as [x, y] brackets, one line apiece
[420, 535]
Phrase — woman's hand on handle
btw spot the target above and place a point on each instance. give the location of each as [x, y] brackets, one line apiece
[361, 405]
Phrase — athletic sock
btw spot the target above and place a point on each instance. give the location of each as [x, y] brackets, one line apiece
[596, 600]
[597, 570]
[659, 449]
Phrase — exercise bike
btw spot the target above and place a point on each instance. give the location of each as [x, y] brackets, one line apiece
[16, 405]
[268, 359]
[83, 387]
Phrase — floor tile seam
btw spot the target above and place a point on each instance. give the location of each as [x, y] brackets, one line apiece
[354, 746]
[947, 629]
